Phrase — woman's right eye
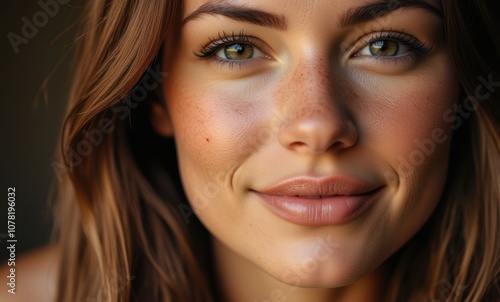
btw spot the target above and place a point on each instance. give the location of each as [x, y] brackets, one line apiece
[239, 52]
[232, 49]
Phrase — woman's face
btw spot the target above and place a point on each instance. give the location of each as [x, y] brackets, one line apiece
[310, 134]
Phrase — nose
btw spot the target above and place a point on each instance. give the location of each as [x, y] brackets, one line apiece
[315, 120]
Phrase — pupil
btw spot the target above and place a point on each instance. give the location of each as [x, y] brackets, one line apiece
[238, 52]
[239, 48]
[384, 48]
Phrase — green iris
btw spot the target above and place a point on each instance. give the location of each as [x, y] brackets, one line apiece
[238, 52]
[384, 48]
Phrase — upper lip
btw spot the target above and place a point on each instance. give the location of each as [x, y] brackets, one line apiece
[306, 186]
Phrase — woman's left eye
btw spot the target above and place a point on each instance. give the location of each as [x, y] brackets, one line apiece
[389, 45]
[239, 52]
[384, 48]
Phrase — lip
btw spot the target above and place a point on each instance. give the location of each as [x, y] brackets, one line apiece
[311, 201]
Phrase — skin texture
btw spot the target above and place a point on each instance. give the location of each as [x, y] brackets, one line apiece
[311, 102]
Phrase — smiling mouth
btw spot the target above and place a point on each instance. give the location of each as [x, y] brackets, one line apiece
[316, 202]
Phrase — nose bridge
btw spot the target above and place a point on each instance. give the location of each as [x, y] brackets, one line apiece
[315, 119]
[309, 85]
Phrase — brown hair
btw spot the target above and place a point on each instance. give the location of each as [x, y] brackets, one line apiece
[123, 236]
[114, 227]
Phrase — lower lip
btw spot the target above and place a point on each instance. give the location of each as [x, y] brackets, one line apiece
[332, 210]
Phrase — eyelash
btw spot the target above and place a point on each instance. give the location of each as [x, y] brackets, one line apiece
[207, 52]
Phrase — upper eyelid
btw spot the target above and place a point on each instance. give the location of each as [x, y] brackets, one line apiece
[225, 39]
[233, 40]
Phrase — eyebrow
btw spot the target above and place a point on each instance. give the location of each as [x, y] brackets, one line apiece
[239, 13]
[381, 8]
[353, 16]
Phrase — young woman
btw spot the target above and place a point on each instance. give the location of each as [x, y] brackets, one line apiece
[332, 150]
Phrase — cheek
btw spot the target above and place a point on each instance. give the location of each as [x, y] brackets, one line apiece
[403, 118]
[406, 134]
[217, 126]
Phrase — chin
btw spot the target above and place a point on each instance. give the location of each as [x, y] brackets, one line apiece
[321, 274]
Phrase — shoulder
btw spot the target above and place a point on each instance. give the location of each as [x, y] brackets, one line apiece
[35, 275]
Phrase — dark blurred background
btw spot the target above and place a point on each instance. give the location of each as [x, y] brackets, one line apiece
[30, 124]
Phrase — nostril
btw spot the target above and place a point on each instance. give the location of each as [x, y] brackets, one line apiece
[297, 145]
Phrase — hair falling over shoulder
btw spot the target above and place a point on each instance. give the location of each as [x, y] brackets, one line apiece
[122, 235]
